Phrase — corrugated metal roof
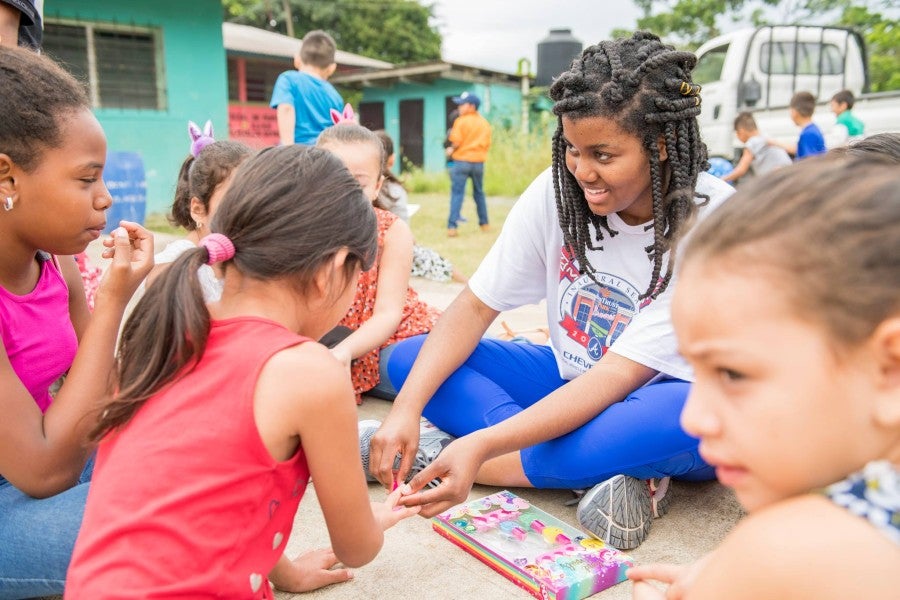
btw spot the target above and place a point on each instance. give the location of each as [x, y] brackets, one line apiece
[252, 40]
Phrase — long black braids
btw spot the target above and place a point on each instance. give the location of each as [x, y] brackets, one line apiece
[646, 87]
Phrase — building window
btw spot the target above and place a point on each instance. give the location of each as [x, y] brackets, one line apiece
[120, 66]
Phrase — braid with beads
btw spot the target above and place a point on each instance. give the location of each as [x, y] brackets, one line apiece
[645, 86]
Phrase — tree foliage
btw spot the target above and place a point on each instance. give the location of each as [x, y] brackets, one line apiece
[398, 31]
[689, 23]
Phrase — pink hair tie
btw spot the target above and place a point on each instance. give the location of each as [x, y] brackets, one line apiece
[219, 247]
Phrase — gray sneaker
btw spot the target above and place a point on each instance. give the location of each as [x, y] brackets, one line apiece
[432, 442]
[619, 510]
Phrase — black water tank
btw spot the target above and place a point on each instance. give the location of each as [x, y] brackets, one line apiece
[554, 55]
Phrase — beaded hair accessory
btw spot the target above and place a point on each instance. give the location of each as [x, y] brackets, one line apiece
[200, 139]
[219, 248]
[348, 116]
[689, 89]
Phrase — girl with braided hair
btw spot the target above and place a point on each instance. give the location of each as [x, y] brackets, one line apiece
[595, 237]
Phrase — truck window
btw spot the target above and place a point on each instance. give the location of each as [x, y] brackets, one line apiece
[709, 66]
[808, 58]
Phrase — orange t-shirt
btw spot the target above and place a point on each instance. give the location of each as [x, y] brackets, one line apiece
[471, 136]
[418, 317]
[185, 500]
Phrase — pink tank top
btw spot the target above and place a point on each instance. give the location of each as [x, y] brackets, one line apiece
[37, 331]
[185, 501]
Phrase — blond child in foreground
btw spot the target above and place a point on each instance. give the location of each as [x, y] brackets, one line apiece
[787, 308]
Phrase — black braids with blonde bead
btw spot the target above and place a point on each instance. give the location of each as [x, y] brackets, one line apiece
[645, 86]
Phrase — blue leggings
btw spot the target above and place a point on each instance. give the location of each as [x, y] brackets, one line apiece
[640, 436]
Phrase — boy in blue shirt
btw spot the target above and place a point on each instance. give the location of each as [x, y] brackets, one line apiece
[811, 140]
[304, 98]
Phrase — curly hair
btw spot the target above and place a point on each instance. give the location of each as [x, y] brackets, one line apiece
[38, 95]
[645, 86]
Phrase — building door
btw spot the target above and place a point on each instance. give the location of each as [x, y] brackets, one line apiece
[412, 120]
[371, 115]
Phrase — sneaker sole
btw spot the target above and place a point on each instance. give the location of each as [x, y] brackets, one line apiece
[617, 511]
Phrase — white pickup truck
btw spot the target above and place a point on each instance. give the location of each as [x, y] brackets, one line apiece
[759, 69]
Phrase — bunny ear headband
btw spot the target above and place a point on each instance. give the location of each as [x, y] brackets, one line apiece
[348, 116]
[200, 139]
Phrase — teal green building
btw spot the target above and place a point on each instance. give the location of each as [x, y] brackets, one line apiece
[413, 103]
[150, 67]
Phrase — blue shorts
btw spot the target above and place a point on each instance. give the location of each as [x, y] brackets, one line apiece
[640, 436]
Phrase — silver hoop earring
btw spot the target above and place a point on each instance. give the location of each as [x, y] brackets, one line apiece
[8, 203]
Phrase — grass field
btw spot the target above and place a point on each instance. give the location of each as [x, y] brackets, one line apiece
[429, 226]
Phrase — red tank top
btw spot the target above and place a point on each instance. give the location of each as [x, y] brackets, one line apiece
[185, 499]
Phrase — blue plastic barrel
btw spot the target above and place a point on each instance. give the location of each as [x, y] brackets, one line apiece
[125, 180]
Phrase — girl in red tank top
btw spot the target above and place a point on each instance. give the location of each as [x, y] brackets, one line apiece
[205, 452]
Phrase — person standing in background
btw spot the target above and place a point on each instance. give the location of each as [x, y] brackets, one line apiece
[470, 140]
[20, 23]
[304, 98]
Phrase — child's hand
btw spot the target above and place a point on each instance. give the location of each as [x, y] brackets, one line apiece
[131, 249]
[309, 571]
[644, 591]
[678, 577]
[389, 513]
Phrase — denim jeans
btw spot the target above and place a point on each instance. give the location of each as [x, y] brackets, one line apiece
[37, 537]
[460, 172]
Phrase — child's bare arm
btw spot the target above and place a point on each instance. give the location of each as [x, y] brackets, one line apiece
[319, 409]
[394, 267]
[287, 119]
[798, 549]
[741, 168]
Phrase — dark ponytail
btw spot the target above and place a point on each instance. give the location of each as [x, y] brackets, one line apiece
[288, 212]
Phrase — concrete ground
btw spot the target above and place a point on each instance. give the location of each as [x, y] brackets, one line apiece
[416, 562]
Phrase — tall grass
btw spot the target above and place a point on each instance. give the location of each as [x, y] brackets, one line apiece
[514, 160]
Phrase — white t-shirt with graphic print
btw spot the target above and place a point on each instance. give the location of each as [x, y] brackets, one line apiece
[528, 264]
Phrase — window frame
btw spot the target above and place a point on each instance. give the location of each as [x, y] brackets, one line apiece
[93, 83]
[788, 52]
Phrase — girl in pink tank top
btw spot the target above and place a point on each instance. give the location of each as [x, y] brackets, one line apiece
[205, 452]
[53, 205]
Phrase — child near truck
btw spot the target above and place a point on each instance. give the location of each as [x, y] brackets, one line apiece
[848, 126]
[758, 153]
[811, 140]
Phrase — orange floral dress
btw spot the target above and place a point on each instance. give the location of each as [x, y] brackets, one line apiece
[418, 317]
